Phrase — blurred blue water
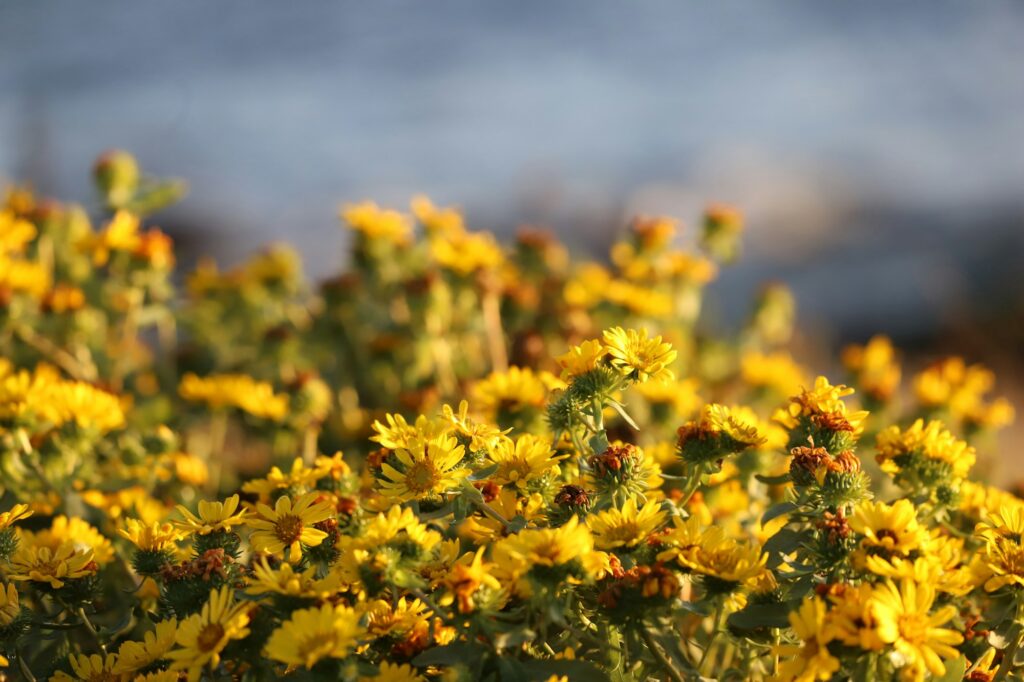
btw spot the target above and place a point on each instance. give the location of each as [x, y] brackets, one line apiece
[571, 113]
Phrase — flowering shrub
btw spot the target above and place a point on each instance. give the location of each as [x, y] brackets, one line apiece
[549, 473]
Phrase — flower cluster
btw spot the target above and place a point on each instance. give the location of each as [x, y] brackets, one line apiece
[459, 461]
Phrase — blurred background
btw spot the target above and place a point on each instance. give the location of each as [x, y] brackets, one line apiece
[877, 149]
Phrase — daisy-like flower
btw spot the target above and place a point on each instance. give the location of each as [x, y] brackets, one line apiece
[568, 549]
[285, 580]
[202, 636]
[527, 459]
[150, 537]
[887, 531]
[905, 621]
[134, 656]
[1003, 555]
[716, 433]
[52, 566]
[626, 527]
[427, 467]
[637, 356]
[86, 667]
[395, 672]
[582, 358]
[212, 517]
[289, 525]
[822, 405]
[15, 513]
[481, 435]
[513, 391]
[220, 391]
[76, 532]
[311, 635]
[10, 606]
[298, 478]
[465, 578]
[917, 450]
[810, 659]
[396, 526]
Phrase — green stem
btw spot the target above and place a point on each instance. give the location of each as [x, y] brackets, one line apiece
[660, 655]
[715, 632]
[91, 628]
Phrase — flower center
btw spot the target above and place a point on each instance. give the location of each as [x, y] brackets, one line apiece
[421, 477]
[914, 627]
[288, 528]
[210, 636]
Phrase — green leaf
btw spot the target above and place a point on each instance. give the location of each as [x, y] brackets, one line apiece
[481, 474]
[754, 616]
[782, 543]
[466, 653]
[775, 511]
[955, 670]
[622, 413]
[774, 480]
[540, 670]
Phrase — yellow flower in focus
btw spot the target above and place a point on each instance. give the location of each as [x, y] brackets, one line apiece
[10, 606]
[482, 436]
[1003, 555]
[582, 358]
[89, 668]
[235, 390]
[823, 403]
[376, 223]
[626, 527]
[51, 566]
[887, 531]
[289, 525]
[134, 656]
[526, 459]
[905, 622]
[202, 636]
[212, 517]
[150, 537]
[285, 580]
[809, 660]
[637, 356]
[427, 468]
[311, 635]
[300, 477]
[465, 578]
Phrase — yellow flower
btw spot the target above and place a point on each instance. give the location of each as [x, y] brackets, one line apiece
[851, 619]
[823, 403]
[286, 581]
[429, 467]
[874, 364]
[681, 397]
[213, 517]
[15, 233]
[73, 531]
[1003, 556]
[134, 656]
[202, 636]
[517, 389]
[637, 356]
[235, 390]
[396, 526]
[777, 372]
[626, 527]
[905, 622]
[887, 532]
[314, 634]
[150, 537]
[527, 459]
[9, 604]
[466, 252]
[15, 513]
[582, 358]
[482, 436]
[120, 234]
[809, 660]
[289, 525]
[466, 576]
[436, 221]
[94, 668]
[569, 547]
[952, 384]
[300, 477]
[375, 223]
[899, 450]
[395, 672]
[51, 565]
